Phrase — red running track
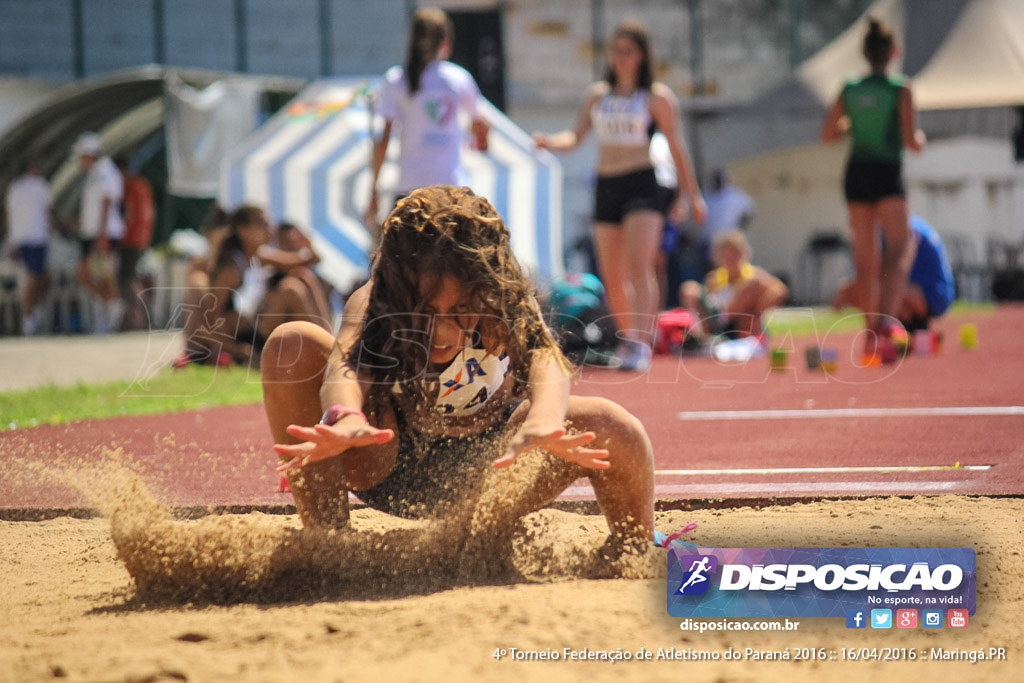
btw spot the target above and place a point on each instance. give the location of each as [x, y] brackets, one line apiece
[736, 432]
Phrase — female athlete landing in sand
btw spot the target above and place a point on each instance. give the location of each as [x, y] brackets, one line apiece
[442, 368]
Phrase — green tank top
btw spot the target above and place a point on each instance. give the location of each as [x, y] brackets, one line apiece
[873, 105]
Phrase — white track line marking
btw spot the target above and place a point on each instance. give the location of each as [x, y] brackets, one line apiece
[823, 413]
[822, 470]
[783, 490]
[809, 487]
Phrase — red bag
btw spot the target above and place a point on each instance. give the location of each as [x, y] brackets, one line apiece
[672, 329]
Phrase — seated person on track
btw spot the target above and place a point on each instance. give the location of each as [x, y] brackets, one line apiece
[736, 294]
[245, 300]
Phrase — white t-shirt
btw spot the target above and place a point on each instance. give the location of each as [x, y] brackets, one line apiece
[725, 210]
[103, 180]
[430, 129]
[28, 203]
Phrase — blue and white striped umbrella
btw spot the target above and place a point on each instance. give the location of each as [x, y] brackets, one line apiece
[309, 164]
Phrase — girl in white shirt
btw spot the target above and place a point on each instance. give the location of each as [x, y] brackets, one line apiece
[424, 99]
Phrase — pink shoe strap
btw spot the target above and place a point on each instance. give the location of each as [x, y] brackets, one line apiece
[676, 534]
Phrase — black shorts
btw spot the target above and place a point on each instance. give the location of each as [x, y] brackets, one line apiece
[251, 336]
[87, 244]
[433, 473]
[34, 257]
[872, 181]
[128, 272]
[617, 196]
[915, 323]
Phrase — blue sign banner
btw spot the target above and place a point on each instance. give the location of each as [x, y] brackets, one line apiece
[817, 582]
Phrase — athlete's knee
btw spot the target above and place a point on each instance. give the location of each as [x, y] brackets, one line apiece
[293, 351]
[614, 424]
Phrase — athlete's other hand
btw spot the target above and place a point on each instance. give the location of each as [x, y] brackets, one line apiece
[557, 442]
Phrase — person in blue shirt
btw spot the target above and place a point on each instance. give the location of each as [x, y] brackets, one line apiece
[931, 288]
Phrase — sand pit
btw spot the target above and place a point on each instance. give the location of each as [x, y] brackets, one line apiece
[138, 595]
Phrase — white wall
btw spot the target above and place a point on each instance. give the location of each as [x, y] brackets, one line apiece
[797, 193]
[969, 187]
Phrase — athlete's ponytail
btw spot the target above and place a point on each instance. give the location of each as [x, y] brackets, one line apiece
[878, 43]
[430, 28]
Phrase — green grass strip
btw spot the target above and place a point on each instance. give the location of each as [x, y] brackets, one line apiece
[170, 391]
[198, 387]
[819, 321]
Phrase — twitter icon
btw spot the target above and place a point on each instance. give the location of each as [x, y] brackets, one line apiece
[881, 618]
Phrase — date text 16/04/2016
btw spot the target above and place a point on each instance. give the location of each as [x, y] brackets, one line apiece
[845, 654]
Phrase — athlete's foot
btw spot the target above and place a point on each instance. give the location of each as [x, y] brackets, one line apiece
[632, 356]
[620, 557]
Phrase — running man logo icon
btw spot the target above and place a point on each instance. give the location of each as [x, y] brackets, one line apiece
[697, 579]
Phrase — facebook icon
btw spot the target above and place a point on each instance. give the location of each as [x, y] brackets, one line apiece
[856, 618]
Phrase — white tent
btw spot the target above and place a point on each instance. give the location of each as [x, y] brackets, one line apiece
[960, 53]
[965, 57]
[309, 164]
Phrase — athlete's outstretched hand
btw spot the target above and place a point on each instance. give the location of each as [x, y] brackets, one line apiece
[323, 441]
[557, 442]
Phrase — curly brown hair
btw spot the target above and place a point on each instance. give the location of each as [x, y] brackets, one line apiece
[433, 233]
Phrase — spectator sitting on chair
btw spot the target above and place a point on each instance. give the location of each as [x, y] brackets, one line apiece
[295, 288]
[931, 288]
[736, 294]
[198, 303]
[243, 304]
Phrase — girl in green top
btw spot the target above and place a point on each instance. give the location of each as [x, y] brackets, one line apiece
[878, 114]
